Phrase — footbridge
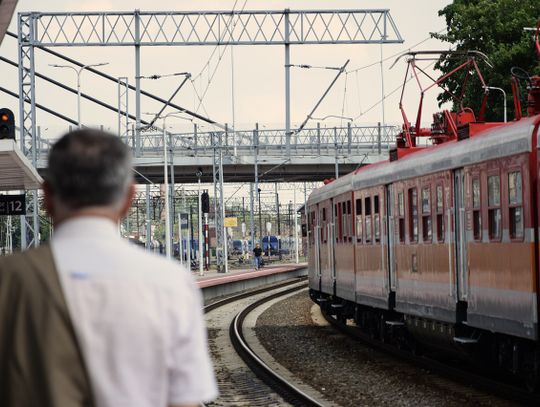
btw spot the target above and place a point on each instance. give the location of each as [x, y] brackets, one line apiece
[314, 154]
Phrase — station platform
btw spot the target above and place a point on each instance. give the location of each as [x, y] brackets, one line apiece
[214, 284]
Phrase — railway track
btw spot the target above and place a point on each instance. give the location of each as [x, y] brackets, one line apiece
[462, 375]
[245, 379]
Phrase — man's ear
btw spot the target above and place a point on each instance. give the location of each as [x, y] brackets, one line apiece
[48, 198]
[130, 194]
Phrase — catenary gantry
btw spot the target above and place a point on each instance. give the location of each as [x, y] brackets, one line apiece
[137, 29]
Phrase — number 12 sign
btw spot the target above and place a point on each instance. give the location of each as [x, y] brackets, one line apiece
[13, 204]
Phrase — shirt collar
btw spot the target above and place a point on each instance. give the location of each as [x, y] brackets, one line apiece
[87, 227]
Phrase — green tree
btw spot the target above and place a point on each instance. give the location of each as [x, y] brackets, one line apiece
[494, 27]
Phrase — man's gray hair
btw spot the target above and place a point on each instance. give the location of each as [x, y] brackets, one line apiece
[89, 167]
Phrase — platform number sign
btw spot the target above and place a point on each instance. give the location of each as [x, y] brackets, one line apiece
[13, 204]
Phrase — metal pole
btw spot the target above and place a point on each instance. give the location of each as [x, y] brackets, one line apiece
[201, 259]
[336, 153]
[191, 234]
[166, 187]
[148, 222]
[180, 246]
[188, 243]
[252, 214]
[278, 221]
[172, 193]
[296, 259]
[243, 210]
[382, 84]
[305, 214]
[119, 109]
[224, 229]
[232, 101]
[379, 138]
[287, 85]
[504, 98]
[206, 243]
[260, 215]
[137, 84]
[256, 137]
[79, 96]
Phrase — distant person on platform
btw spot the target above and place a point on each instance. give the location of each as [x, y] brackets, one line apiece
[257, 253]
[90, 320]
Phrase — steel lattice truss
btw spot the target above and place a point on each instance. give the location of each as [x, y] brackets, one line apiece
[284, 27]
[213, 27]
[219, 207]
[320, 141]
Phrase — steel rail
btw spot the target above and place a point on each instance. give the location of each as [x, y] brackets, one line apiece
[250, 293]
[284, 388]
[466, 377]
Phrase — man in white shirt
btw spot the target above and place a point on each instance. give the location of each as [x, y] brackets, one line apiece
[137, 317]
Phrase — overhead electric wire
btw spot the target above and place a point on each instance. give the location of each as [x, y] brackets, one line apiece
[113, 79]
[393, 55]
[220, 57]
[70, 89]
[375, 63]
[344, 101]
[373, 106]
[39, 106]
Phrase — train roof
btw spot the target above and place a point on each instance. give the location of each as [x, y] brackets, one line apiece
[497, 142]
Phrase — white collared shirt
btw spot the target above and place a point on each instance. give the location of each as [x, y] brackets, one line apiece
[138, 318]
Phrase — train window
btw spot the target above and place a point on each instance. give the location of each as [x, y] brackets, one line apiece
[376, 219]
[367, 208]
[515, 208]
[344, 223]
[359, 229]
[494, 207]
[401, 215]
[413, 215]
[350, 220]
[440, 213]
[426, 214]
[476, 209]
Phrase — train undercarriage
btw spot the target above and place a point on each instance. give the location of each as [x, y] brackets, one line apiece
[515, 359]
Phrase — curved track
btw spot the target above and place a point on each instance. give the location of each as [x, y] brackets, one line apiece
[286, 389]
[493, 386]
[248, 380]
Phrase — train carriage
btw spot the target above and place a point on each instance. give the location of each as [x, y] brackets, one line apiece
[439, 242]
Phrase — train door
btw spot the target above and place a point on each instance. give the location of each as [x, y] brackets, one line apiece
[326, 247]
[332, 226]
[390, 237]
[317, 251]
[462, 269]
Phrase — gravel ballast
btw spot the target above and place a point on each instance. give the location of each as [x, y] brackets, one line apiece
[349, 372]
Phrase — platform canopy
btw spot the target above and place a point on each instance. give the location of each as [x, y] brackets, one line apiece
[16, 171]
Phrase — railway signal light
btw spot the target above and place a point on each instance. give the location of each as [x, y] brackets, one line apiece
[7, 124]
[205, 202]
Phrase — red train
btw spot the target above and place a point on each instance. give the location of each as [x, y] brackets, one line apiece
[439, 244]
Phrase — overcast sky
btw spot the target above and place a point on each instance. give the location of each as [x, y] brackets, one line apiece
[258, 70]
